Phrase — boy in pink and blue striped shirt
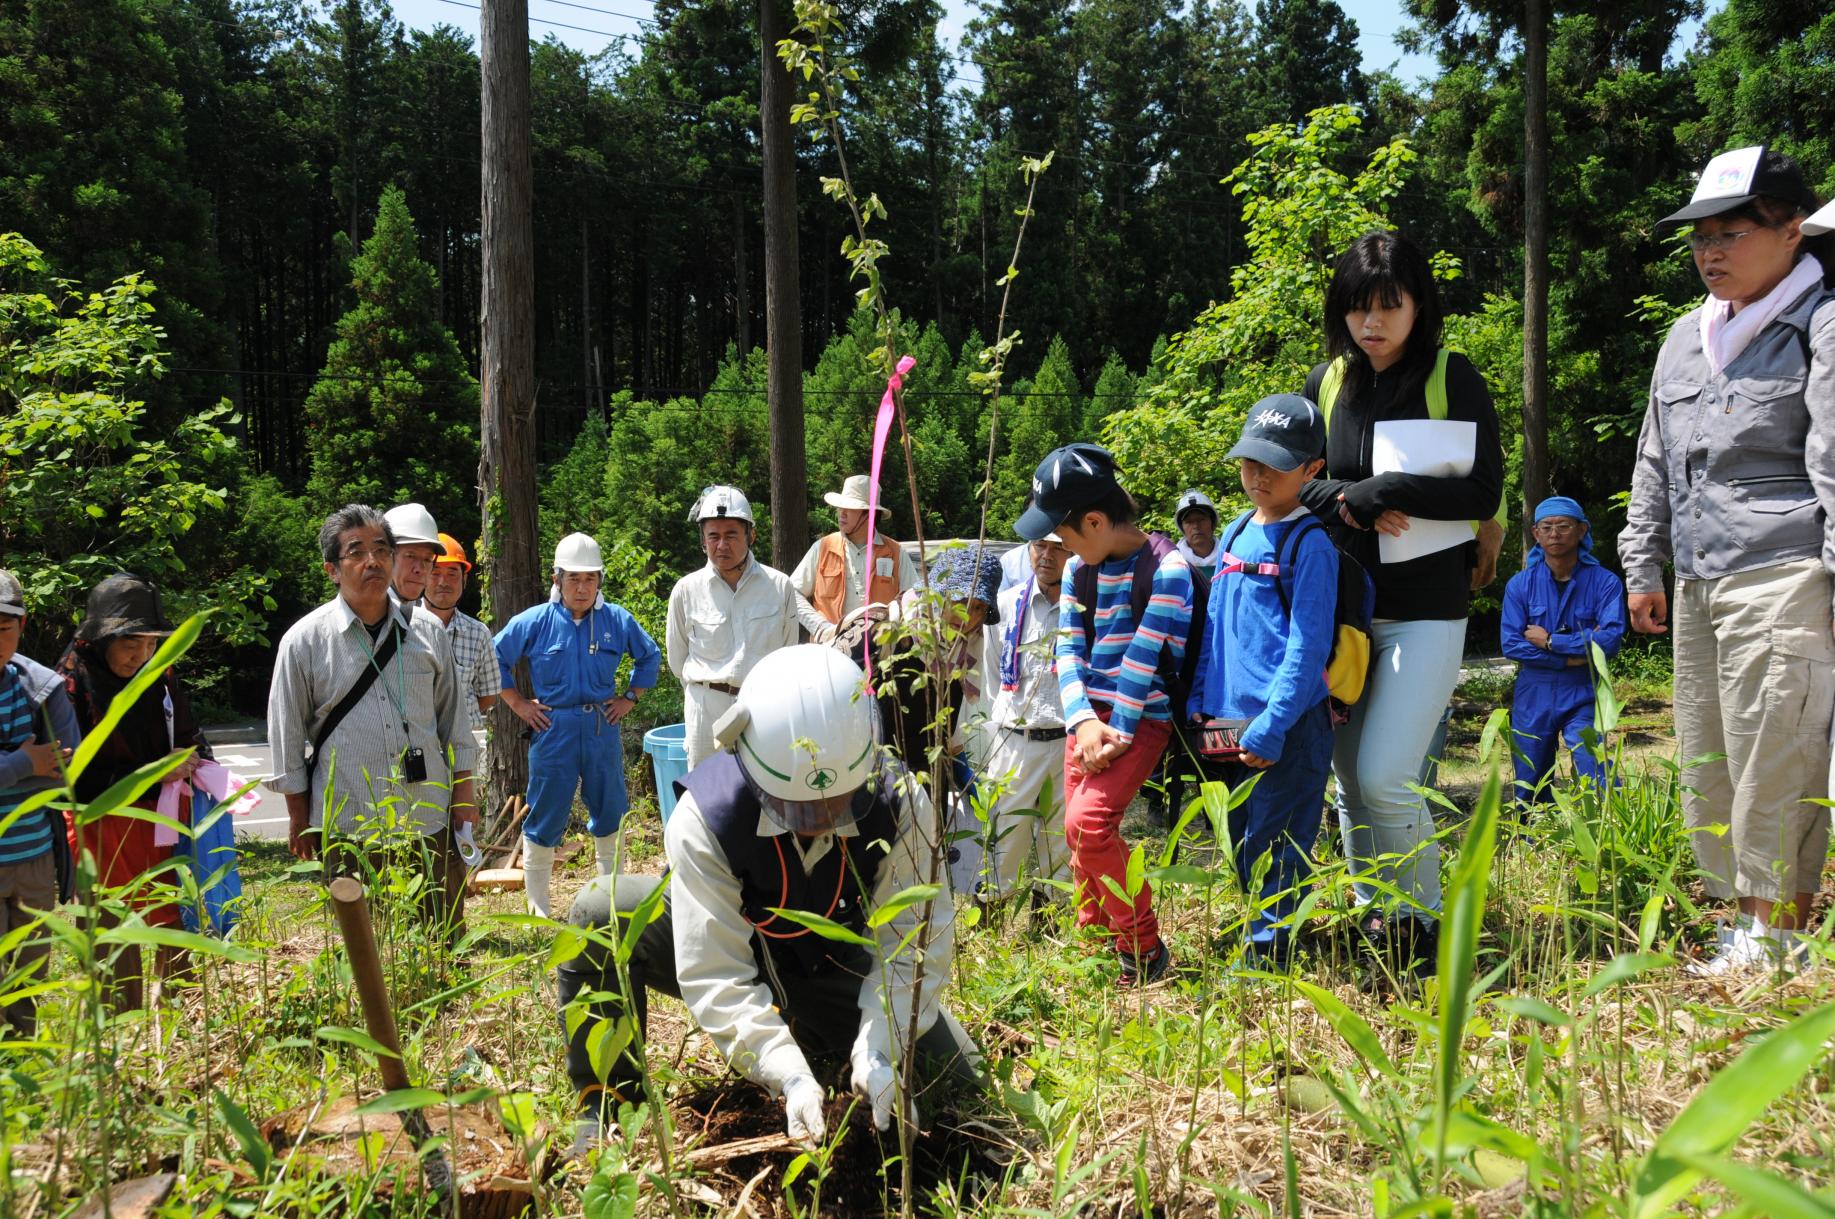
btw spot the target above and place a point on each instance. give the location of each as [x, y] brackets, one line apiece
[1112, 675]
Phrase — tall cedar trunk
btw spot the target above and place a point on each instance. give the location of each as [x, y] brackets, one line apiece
[783, 301]
[586, 317]
[1535, 258]
[742, 295]
[506, 469]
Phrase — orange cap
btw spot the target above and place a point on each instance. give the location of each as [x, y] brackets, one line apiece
[455, 553]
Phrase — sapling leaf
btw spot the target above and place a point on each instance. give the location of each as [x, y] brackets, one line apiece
[903, 900]
[1459, 933]
[1736, 1096]
[828, 929]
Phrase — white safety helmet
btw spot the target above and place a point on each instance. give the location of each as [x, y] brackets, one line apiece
[1194, 500]
[412, 524]
[578, 552]
[720, 501]
[803, 728]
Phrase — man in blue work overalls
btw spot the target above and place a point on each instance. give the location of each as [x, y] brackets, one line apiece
[574, 645]
[1555, 609]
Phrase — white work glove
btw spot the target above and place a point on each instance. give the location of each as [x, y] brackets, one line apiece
[803, 1118]
[875, 1083]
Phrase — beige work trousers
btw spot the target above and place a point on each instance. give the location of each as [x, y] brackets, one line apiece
[702, 707]
[1755, 682]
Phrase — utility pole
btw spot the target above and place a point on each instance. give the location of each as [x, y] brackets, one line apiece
[1535, 258]
[783, 299]
[506, 468]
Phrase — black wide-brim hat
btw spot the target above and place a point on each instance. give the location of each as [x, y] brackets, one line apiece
[123, 605]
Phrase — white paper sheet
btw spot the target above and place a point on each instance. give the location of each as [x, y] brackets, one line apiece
[1435, 448]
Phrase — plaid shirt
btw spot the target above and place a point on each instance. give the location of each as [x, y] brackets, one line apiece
[471, 644]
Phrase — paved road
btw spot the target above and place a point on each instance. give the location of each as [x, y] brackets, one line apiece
[244, 751]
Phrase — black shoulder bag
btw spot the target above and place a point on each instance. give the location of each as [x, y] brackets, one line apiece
[351, 697]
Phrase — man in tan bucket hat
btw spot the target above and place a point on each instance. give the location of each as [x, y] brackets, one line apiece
[830, 579]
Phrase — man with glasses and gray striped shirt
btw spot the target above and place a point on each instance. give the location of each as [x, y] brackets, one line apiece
[366, 718]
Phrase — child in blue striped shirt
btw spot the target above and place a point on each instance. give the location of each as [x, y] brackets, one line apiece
[1112, 673]
[36, 719]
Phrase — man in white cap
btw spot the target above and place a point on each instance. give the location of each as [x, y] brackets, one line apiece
[1196, 518]
[724, 618]
[797, 811]
[574, 644]
[417, 545]
[830, 579]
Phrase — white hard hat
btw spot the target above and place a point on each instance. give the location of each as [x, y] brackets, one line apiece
[1822, 222]
[578, 552]
[719, 501]
[411, 523]
[804, 732]
[1194, 500]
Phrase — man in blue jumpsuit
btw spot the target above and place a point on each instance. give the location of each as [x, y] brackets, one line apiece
[574, 645]
[1560, 604]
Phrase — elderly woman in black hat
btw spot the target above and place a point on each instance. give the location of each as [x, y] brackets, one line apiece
[119, 634]
[1735, 487]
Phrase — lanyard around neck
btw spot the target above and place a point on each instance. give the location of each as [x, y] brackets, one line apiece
[400, 697]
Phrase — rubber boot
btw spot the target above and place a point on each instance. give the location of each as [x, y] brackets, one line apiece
[538, 877]
[605, 850]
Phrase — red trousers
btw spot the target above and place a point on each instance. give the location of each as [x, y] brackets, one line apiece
[1093, 807]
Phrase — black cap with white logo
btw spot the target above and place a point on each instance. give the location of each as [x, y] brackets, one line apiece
[1068, 479]
[1283, 430]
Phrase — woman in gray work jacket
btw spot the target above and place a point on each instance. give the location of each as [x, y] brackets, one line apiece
[1735, 486]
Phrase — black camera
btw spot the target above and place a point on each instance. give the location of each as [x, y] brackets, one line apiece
[413, 765]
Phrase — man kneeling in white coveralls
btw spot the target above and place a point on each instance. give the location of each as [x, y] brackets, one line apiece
[802, 810]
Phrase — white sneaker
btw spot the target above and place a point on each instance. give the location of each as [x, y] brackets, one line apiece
[1753, 946]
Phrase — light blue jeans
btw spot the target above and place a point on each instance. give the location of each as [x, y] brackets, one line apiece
[1377, 757]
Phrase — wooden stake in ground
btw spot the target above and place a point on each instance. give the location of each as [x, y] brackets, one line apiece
[373, 996]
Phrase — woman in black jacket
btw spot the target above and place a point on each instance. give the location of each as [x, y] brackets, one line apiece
[1382, 325]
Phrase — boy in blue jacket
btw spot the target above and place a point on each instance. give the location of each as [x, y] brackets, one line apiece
[1560, 603]
[1264, 666]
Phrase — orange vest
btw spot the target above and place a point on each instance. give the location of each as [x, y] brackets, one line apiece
[829, 594]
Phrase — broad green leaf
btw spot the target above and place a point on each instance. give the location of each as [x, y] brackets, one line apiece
[1769, 1194]
[828, 929]
[400, 1101]
[255, 1149]
[1624, 968]
[611, 1194]
[356, 1037]
[647, 912]
[1732, 1100]
[172, 937]
[1459, 932]
[518, 1112]
[901, 901]
[1355, 1030]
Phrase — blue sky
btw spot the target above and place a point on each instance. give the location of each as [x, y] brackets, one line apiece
[601, 22]
[592, 25]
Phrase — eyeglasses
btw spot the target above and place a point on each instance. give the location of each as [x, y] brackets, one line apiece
[381, 550]
[1702, 242]
[1553, 526]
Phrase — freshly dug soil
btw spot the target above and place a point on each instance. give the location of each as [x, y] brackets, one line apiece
[863, 1175]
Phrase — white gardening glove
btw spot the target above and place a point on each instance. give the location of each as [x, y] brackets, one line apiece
[803, 1111]
[875, 1083]
[825, 633]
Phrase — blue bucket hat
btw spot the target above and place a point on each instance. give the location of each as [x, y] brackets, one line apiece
[969, 573]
